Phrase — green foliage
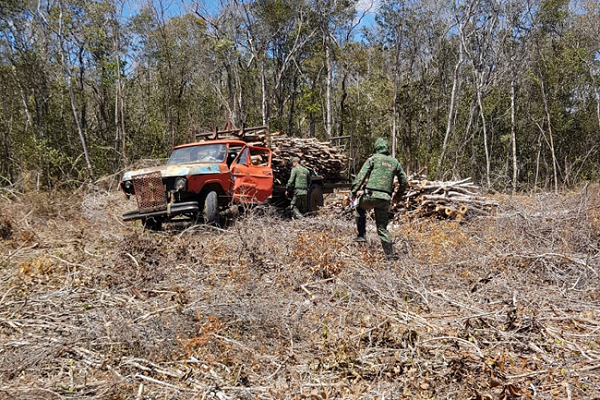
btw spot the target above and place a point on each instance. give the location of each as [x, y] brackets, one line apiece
[50, 163]
[139, 84]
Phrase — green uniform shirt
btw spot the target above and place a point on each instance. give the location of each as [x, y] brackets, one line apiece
[299, 180]
[380, 170]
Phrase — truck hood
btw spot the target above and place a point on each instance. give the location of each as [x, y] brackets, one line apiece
[168, 171]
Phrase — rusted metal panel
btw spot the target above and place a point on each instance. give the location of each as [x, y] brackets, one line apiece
[176, 170]
[143, 171]
[150, 192]
[183, 170]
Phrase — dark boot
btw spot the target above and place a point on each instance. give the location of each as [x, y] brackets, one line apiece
[388, 249]
[361, 227]
[296, 214]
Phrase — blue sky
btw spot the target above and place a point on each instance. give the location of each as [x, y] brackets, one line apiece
[181, 7]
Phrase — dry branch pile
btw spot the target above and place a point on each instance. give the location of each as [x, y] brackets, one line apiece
[444, 199]
[456, 200]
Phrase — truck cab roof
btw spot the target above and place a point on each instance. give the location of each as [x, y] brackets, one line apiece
[236, 142]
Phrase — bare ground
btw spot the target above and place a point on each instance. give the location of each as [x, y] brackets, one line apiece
[501, 307]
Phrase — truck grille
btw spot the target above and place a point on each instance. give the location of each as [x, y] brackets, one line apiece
[149, 192]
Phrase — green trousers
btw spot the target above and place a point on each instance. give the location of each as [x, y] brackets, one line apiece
[298, 204]
[382, 215]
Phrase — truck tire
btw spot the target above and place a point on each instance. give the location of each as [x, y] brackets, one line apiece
[315, 197]
[152, 223]
[211, 209]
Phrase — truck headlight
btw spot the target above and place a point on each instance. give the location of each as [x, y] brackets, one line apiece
[180, 184]
[127, 187]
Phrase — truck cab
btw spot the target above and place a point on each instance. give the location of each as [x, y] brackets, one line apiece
[199, 180]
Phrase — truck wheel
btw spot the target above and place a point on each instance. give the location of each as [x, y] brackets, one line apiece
[152, 223]
[211, 208]
[315, 198]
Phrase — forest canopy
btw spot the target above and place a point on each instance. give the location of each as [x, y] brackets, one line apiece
[507, 92]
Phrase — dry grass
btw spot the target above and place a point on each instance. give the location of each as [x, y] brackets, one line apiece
[501, 307]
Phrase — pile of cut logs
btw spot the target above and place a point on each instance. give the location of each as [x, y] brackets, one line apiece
[319, 157]
[456, 200]
[444, 199]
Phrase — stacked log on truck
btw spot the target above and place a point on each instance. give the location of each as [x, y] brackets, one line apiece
[320, 157]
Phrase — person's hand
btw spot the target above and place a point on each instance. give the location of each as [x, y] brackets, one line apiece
[286, 194]
[397, 197]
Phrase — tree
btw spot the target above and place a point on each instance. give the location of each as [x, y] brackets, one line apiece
[333, 17]
[463, 15]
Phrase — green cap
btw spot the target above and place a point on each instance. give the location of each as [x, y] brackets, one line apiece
[295, 159]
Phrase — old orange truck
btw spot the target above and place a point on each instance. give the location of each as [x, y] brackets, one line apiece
[224, 168]
[199, 180]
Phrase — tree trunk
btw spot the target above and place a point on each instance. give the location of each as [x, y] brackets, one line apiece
[395, 100]
[513, 134]
[238, 109]
[450, 119]
[537, 161]
[123, 131]
[83, 111]
[598, 106]
[292, 107]
[342, 102]
[117, 125]
[28, 120]
[460, 151]
[485, 138]
[329, 83]
[263, 90]
[549, 122]
[69, 81]
[231, 100]
[120, 135]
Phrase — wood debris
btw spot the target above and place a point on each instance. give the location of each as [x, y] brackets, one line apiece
[444, 199]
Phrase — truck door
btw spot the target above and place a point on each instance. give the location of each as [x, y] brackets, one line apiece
[252, 175]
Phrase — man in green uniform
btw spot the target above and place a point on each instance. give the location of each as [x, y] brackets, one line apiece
[298, 185]
[377, 174]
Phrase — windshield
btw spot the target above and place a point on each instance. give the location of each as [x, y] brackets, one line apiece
[208, 153]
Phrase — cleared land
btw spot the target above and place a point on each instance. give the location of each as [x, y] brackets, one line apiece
[497, 307]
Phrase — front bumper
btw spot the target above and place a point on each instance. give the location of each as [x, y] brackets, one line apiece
[171, 210]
